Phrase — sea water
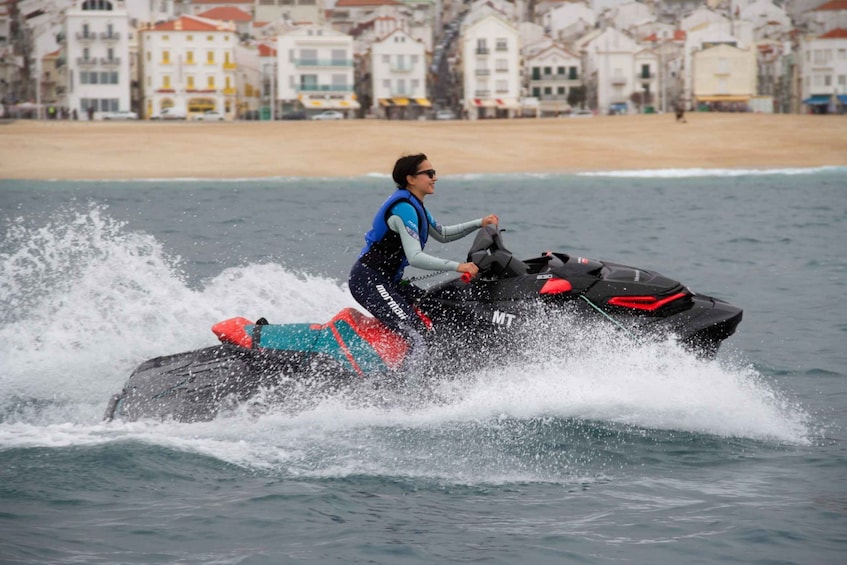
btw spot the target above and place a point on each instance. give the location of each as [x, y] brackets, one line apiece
[590, 449]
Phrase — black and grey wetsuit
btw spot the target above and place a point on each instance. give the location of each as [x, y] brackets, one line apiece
[401, 228]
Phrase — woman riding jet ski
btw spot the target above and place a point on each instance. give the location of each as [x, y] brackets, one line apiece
[474, 319]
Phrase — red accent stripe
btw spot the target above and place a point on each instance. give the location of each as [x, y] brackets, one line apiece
[649, 303]
[345, 350]
[390, 346]
[556, 286]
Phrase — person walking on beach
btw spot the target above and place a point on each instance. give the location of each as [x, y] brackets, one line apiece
[680, 112]
[397, 238]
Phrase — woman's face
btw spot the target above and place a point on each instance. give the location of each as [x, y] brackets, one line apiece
[423, 182]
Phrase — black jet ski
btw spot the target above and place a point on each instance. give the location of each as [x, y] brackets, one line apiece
[480, 318]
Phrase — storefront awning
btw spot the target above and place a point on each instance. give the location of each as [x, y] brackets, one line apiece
[818, 100]
[507, 103]
[313, 103]
[400, 101]
[842, 98]
[484, 103]
[423, 102]
[723, 98]
[345, 105]
[386, 102]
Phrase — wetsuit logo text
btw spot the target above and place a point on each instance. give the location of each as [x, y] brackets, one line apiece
[391, 303]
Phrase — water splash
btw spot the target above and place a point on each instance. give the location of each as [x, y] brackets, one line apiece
[85, 301]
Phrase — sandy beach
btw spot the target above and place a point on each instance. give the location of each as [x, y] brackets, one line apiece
[128, 150]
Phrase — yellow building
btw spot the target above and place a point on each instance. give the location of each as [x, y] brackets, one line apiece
[724, 76]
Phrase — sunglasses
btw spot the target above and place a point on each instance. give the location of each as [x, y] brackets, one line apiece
[428, 172]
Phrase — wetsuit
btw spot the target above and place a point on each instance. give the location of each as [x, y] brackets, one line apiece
[400, 230]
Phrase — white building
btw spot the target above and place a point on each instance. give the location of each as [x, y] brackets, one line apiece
[621, 68]
[824, 72]
[315, 69]
[569, 20]
[97, 35]
[188, 63]
[552, 74]
[291, 11]
[828, 16]
[398, 76]
[491, 68]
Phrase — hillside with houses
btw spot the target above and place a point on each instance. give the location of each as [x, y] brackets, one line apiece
[418, 59]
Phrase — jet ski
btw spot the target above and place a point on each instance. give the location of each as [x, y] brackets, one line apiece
[479, 318]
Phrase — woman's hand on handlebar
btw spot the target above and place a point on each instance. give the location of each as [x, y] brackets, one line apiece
[469, 268]
[490, 219]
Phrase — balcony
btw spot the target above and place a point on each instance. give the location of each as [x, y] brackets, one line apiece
[482, 94]
[617, 81]
[554, 78]
[401, 68]
[323, 62]
[113, 36]
[83, 36]
[229, 91]
[645, 76]
[84, 62]
[230, 66]
[113, 62]
[482, 72]
[482, 51]
[308, 88]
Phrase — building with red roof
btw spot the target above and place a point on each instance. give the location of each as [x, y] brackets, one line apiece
[823, 64]
[188, 63]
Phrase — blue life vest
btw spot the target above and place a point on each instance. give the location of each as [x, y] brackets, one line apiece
[383, 250]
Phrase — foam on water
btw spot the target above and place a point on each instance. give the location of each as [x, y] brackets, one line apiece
[686, 173]
[85, 301]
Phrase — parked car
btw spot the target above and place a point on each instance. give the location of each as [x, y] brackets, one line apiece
[581, 114]
[208, 116]
[169, 114]
[295, 115]
[445, 115]
[119, 115]
[329, 115]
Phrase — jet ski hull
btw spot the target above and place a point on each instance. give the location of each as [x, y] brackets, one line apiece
[486, 318]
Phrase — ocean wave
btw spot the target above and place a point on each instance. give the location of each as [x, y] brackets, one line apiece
[634, 173]
[686, 173]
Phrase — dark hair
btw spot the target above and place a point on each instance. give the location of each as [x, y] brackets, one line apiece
[406, 166]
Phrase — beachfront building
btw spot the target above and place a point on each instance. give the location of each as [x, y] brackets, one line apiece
[398, 77]
[552, 74]
[53, 84]
[668, 45]
[188, 63]
[490, 55]
[97, 57]
[724, 77]
[315, 70]
[736, 33]
[823, 61]
[624, 74]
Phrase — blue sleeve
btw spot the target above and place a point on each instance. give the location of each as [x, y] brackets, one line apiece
[409, 215]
